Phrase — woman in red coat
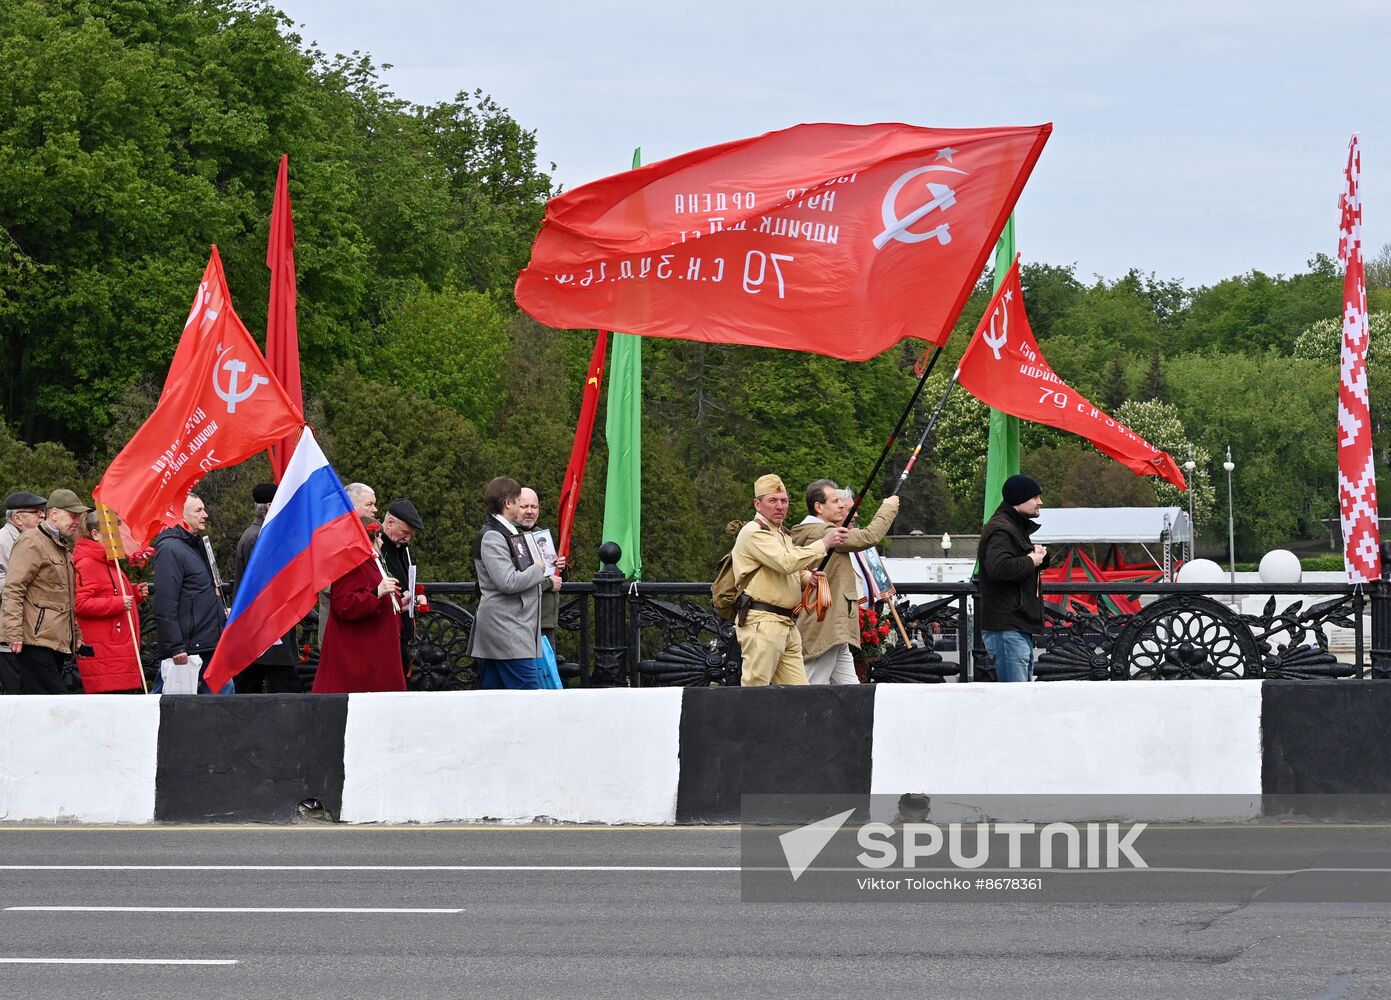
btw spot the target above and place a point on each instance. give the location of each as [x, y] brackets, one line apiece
[362, 642]
[106, 615]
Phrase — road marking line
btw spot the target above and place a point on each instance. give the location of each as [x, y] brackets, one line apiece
[118, 961]
[654, 869]
[370, 828]
[225, 909]
[370, 868]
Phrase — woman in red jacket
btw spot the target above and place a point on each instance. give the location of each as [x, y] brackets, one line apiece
[362, 642]
[106, 618]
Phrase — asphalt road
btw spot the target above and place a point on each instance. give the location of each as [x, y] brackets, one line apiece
[348, 912]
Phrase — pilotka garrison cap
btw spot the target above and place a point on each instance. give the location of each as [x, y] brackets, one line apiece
[768, 484]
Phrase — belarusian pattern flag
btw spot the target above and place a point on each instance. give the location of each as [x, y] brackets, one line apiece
[1357, 483]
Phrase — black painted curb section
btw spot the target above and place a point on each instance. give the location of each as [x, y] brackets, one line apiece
[1326, 737]
[771, 741]
[250, 758]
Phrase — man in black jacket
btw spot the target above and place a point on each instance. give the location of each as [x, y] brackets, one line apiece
[189, 613]
[401, 523]
[1011, 594]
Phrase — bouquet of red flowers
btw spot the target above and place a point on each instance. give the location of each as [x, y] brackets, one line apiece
[874, 632]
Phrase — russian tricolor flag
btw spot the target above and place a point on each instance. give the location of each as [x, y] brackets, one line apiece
[311, 537]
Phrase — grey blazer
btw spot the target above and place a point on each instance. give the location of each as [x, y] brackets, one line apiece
[507, 625]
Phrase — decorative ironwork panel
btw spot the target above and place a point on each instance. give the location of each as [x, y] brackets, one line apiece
[1295, 658]
[441, 638]
[1078, 646]
[695, 647]
[919, 663]
[1185, 636]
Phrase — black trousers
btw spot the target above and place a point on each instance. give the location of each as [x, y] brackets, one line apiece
[268, 678]
[40, 670]
[9, 674]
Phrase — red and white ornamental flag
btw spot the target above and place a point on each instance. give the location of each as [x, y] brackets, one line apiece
[836, 239]
[221, 404]
[1004, 368]
[1357, 481]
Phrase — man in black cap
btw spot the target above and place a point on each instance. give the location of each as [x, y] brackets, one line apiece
[1011, 592]
[23, 510]
[398, 528]
[273, 672]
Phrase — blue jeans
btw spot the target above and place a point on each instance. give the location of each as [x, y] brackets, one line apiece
[514, 674]
[1013, 653]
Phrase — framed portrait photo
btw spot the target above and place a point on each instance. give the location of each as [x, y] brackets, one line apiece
[546, 546]
[521, 551]
[881, 588]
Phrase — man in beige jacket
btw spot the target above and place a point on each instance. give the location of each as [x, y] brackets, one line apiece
[39, 600]
[826, 644]
[770, 571]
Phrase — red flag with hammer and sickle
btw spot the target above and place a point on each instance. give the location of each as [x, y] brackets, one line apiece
[1004, 368]
[836, 239]
[220, 405]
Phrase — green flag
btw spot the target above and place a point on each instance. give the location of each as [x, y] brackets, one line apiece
[1002, 452]
[623, 428]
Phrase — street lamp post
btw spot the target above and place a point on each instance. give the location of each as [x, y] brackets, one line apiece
[1231, 520]
[946, 545]
[1192, 550]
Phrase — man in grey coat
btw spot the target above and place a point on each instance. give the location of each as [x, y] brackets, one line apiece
[506, 636]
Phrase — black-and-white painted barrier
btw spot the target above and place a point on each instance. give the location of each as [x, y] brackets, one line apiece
[675, 755]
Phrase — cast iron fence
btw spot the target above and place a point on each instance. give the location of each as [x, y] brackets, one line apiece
[615, 632]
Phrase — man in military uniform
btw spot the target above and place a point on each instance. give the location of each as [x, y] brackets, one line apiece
[770, 571]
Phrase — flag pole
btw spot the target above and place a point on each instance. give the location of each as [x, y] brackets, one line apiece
[130, 624]
[922, 439]
[888, 447]
[110, 533]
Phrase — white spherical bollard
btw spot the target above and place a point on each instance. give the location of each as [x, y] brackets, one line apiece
[1201, 571]
[1280, 566]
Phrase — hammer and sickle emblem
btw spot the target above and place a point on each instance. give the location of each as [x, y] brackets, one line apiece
[993, 341]
[896, 228]
[233, 395]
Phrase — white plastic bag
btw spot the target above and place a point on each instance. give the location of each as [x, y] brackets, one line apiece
[181, 678]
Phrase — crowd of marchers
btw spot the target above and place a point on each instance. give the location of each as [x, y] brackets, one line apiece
[65, 602]
[70, 616]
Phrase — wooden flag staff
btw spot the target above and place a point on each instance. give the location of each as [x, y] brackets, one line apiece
[110, 531]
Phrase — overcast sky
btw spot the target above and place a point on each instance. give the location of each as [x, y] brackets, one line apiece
[1197, 140]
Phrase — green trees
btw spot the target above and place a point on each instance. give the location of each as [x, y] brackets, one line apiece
[135, 134]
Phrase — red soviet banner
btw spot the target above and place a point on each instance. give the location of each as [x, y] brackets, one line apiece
[836, 239]
[220, 406]
[1004, 368]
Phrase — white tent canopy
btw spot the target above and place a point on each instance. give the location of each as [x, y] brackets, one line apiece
[1110, 525]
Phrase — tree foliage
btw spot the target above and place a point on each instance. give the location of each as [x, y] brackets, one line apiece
[135, 134]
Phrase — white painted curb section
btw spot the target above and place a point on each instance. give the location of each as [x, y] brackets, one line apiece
[89, 759]
[1194, 738]
[602, 756]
